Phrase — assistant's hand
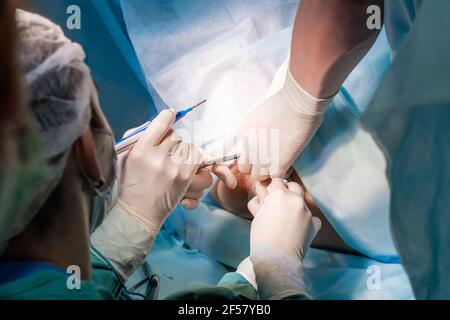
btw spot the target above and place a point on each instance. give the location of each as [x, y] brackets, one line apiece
[277, 131]
[203, 180]
[157, 173]
[281, 233]
[282, 220]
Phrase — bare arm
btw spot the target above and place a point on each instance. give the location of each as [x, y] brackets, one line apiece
[330, 38]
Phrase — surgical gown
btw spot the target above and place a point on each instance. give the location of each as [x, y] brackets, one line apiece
[410, 117]
[399, 19]
[39, 281]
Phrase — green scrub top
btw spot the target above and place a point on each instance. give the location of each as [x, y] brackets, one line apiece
[232, 287]
[50, 283]
[46, 282]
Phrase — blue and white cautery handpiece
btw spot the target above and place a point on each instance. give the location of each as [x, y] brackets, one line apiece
[122, 145]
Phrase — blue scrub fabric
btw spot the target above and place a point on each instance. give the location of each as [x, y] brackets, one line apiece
[410, 117]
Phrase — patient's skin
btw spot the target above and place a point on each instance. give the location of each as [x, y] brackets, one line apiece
[236, 201]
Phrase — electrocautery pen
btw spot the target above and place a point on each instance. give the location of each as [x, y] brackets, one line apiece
[122, 146]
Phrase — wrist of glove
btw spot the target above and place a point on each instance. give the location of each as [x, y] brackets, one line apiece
[289, 119]
[124, 241]
[278, 274]
[245, 269]
[300, 102]
[152, 220]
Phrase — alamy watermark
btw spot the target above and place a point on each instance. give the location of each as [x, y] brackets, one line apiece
[374, 279]
[257, 146]
[374, 21]
[73, 21]
[74, 279]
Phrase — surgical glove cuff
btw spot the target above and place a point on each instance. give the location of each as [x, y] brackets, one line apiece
[278, 274]
[245, 269]
[124, 241]
[300, 101]
[148, 220]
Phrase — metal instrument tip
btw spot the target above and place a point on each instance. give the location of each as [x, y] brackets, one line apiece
[199, 104]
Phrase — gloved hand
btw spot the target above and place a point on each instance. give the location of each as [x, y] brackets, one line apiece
[202, 180]
[281, 233]
[282, 219]
[151, 186]
[157, 173]
[277, 131]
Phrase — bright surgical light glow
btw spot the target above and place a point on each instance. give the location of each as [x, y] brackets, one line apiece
[215, 126]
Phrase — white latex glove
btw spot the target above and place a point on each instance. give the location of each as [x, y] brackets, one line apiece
[245, 269]
[124, 241]
[281, 233]
[157, 173]
[202, 180]
[124, 237]
[277, 131]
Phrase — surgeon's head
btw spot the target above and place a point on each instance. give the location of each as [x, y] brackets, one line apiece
[77, 140]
